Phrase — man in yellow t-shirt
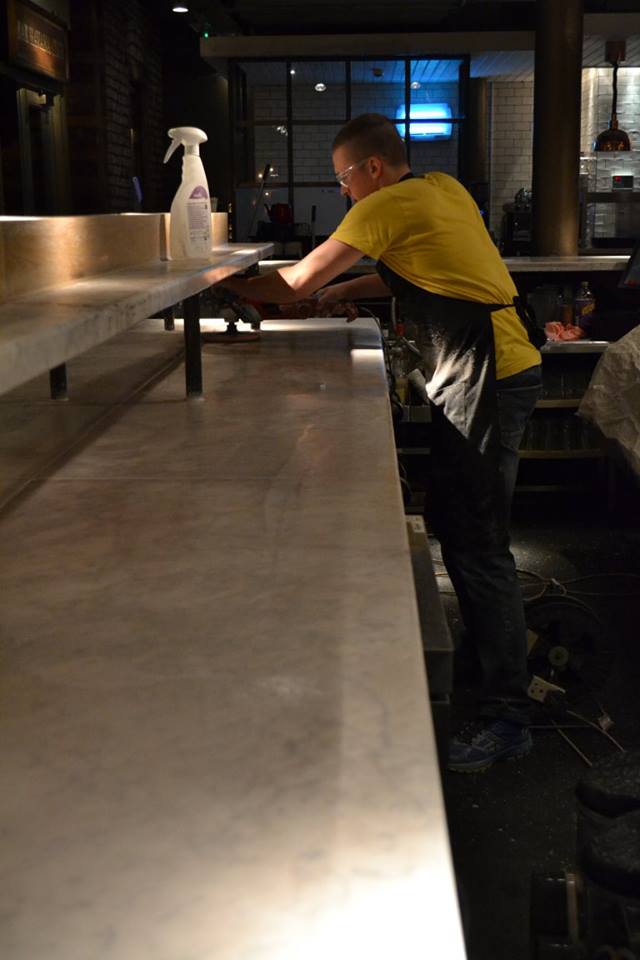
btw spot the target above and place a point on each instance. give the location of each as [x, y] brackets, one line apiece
[435, 256]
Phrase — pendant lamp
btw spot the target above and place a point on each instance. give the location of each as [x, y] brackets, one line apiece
[613, 139]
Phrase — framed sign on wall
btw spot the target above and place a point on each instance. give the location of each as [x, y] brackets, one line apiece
[36, 40]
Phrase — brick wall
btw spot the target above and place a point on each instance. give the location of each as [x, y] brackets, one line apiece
[116, 85]
[511, 144]
[132, 97]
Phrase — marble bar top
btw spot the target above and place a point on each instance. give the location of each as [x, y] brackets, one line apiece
[218, 740]
[40, 330]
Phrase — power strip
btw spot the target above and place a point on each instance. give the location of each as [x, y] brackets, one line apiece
[542, 690]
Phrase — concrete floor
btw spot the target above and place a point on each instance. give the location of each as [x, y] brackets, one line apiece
[519, 817]
[506, 824]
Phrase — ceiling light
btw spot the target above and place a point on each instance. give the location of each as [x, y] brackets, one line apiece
[292, 72]
[415, 85]
[180, 8]
[320, 87]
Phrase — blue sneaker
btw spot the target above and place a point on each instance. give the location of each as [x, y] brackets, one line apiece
[480, 743]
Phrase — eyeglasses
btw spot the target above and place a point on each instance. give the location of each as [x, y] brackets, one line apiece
[344, 175]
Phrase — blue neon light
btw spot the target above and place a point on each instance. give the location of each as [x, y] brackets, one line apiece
[426, 111]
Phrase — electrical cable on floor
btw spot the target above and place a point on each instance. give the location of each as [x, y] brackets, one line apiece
[558, 589]
[573, 746]
[596, 726]
[561, 586]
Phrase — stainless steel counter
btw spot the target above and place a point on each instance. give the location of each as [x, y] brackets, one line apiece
[217, 738]
[586, 264]
[580, 264]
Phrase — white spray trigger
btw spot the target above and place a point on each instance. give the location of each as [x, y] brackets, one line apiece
[189, 137]
[172, 147]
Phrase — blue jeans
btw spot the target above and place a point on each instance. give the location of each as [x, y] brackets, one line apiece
[472, 498]
[477, 425]
[517, 397]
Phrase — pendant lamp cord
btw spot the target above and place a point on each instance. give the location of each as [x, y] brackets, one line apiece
[614, 104]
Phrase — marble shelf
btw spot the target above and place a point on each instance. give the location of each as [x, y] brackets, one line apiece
[40, 330]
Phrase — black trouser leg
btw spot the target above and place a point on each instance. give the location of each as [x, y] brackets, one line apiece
[469, 520]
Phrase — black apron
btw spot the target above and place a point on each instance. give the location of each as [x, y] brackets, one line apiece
[458, 350]
[457, 346]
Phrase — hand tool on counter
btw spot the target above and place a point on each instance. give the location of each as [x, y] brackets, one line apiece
[227, 305]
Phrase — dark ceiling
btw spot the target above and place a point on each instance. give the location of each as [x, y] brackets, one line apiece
[279, 17]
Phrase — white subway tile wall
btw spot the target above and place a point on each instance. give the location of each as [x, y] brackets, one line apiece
[511, 144]
[612, 220]
[312, 144]
[511, 135]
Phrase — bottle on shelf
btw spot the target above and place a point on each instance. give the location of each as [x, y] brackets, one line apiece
[584, 306]
[404, 357]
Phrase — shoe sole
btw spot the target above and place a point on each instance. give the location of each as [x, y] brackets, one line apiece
[483, 767]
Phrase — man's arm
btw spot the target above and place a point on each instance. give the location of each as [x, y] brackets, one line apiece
[301, 279]
[370, 285]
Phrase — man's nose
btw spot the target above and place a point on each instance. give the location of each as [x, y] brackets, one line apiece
[344, 190]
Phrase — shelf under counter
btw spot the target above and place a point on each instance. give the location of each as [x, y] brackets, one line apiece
[585, 263]
[579, 264]
[560, 403]
[570, 454]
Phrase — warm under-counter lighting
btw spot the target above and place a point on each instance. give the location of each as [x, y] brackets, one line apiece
[366, 355]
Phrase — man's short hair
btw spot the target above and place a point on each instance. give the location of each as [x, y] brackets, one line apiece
[369, 135]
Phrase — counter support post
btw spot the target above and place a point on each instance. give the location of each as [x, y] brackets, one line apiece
[192, 343]
[58, 382]
[169, 318]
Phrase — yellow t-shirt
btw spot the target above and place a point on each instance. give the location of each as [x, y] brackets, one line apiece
[429, 231]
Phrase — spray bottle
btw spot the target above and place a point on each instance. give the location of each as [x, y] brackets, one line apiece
[190, 231]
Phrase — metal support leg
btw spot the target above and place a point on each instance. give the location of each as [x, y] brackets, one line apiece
[192, 355]
[169, 318]
[58, 382]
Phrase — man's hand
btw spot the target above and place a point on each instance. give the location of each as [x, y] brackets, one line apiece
[327, 297]
[338, 308]
[313, 307]
[300, 279]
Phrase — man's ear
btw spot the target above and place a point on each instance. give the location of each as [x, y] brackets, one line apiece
[376, 166]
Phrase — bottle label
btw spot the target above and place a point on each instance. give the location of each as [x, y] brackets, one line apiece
[199, 193]
[199, 221]
[584, 308]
